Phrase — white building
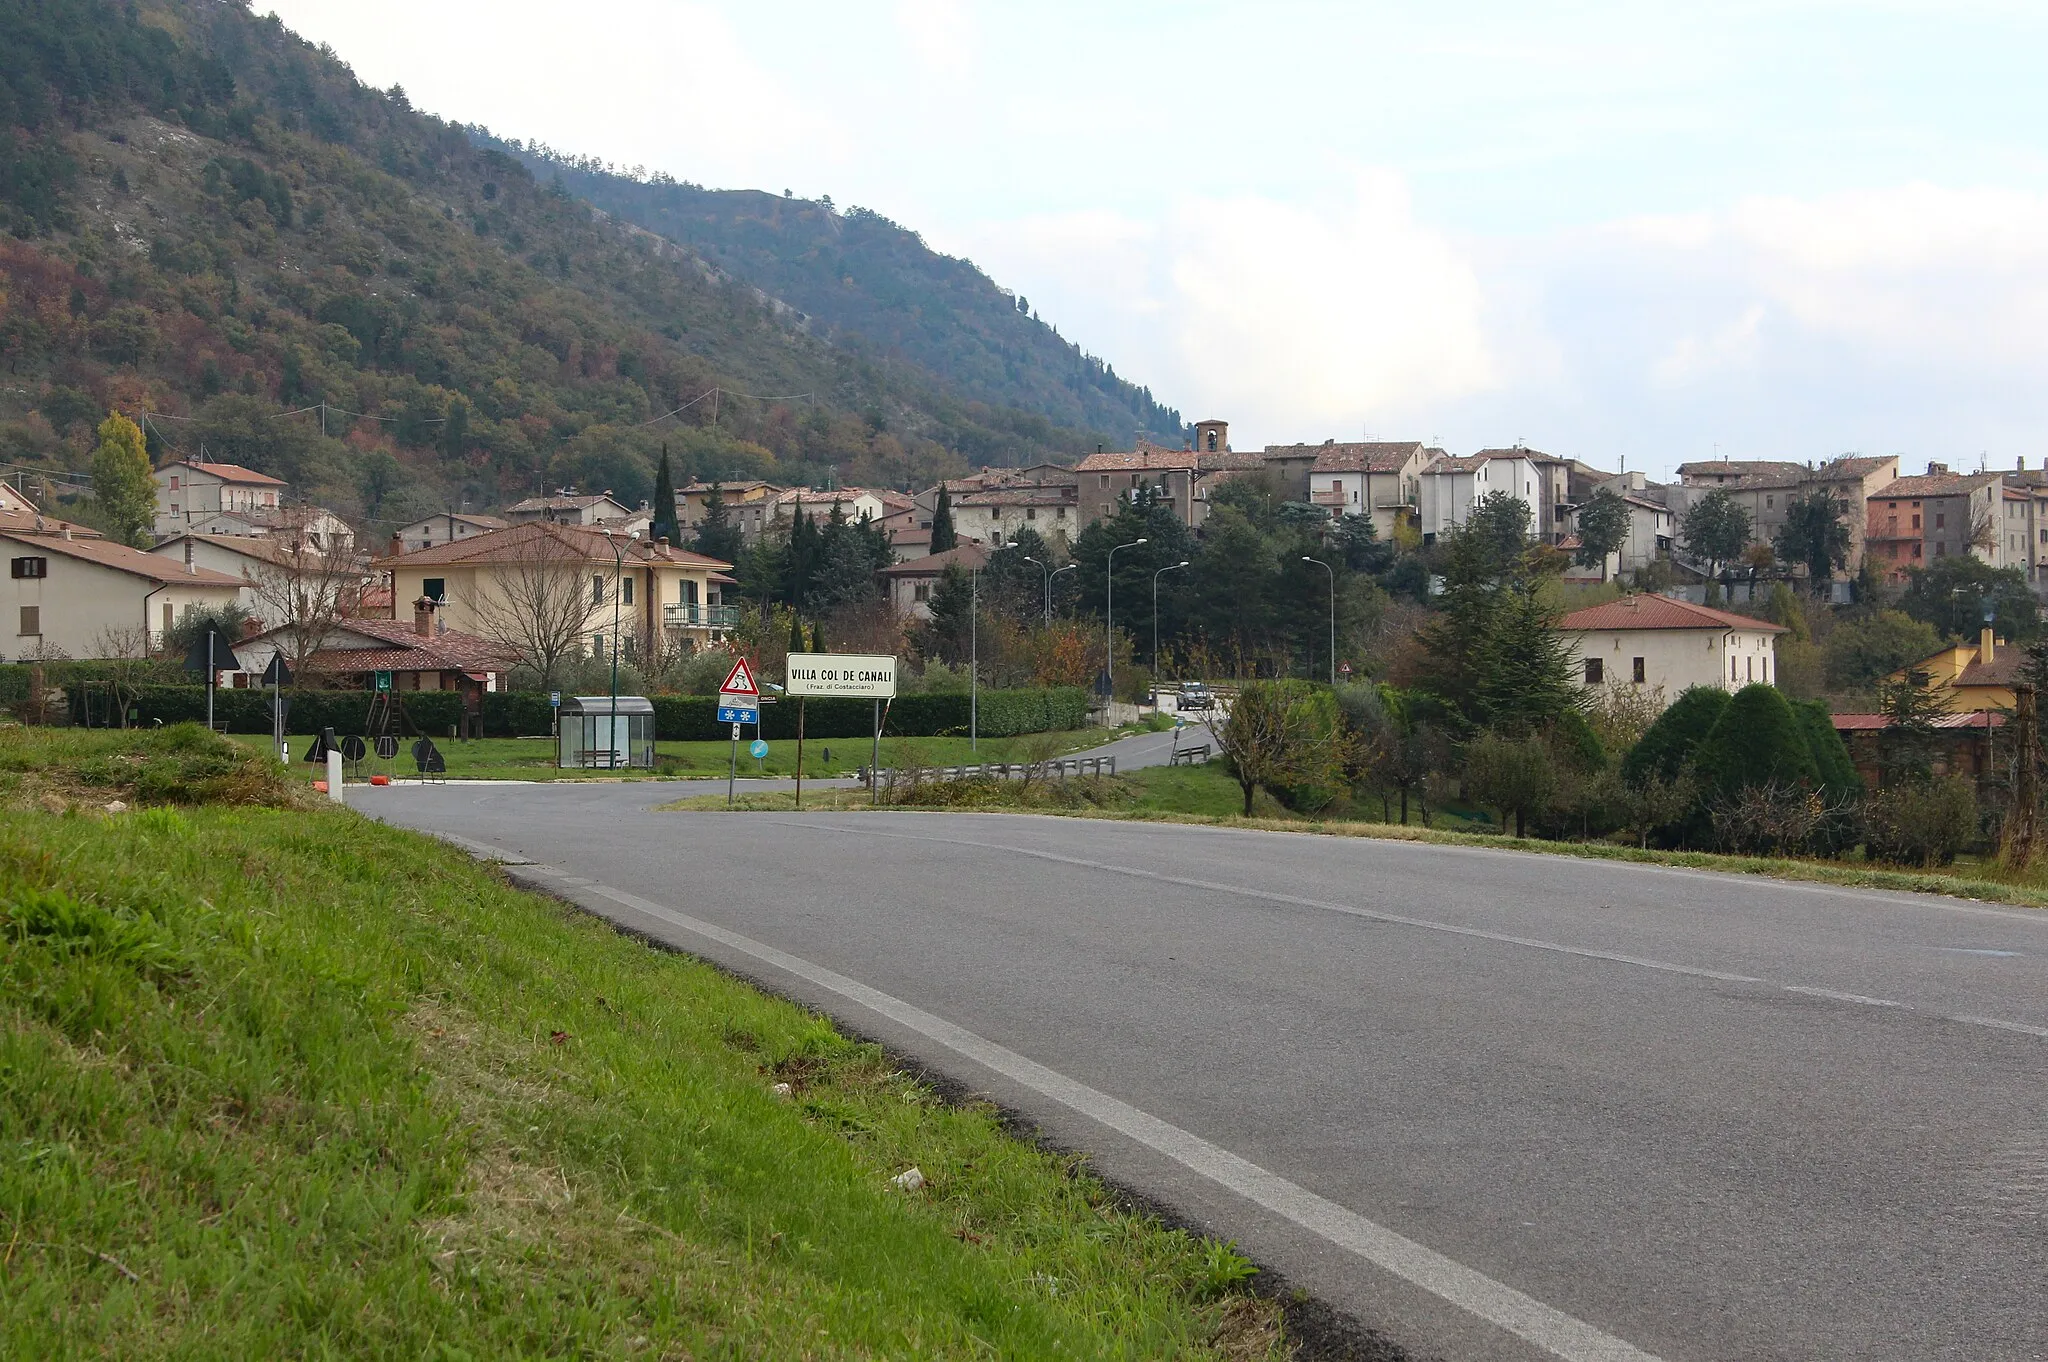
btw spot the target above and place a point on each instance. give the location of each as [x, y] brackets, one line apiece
[1665, 644]
[1380, 479]
[570, 508]
[95, 598]
[853, 504]
[995, 514]
[190, 490]
[316, 526]
[1651, 527]
[1451, 483]
[270, 570]
[445, 528]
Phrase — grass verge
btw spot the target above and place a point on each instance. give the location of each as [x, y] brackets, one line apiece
[1206, 796]
[284, 1081]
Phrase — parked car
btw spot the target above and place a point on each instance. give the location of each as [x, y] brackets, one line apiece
[1195, 695]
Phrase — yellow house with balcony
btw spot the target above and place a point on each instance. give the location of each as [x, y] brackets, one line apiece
[539, 585]
[1966, 677]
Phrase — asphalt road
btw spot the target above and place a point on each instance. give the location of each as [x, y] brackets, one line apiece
[1495, 1105]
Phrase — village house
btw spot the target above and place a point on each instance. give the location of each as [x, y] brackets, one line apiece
[75, 597]
[748, 503]
[1651, 526]
[1966, 677]
[491, 584]
[414, 655]
[316, 526]
[273, 571]
[1766, 489]
[1183, 478]
[445, 528]
[1381, 480]
[190, 490]
[1914, 521]
[993, 514]
[1666, 645]
[910, 585]
[591, 510]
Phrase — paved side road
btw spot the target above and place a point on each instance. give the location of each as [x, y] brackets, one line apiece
[1501, 1106]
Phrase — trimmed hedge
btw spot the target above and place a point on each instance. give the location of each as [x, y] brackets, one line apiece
[677, 718]
[434, 712]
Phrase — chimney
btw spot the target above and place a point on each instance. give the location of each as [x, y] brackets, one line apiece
[67, 529]
[1987, 646]
[188, 553]
[423, 617]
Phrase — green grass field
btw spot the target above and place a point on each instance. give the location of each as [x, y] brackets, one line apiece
[282, 1081]
[534, 758]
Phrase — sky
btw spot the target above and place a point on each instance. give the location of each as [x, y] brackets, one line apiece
[1633, 233]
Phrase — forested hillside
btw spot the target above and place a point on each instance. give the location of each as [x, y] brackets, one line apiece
[214, 222]
[873, 286]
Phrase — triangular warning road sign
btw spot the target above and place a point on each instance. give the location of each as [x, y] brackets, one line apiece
[740, 680]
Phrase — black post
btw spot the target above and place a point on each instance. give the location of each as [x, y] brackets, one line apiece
[800, 751]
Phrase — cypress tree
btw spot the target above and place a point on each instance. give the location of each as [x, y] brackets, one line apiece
[665, 525]
[796, 632]
[1675, 738]
[818, 636]
[717, 536]
[1757, 740]
[943, 536]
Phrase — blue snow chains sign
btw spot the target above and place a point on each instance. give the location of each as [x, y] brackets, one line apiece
[555, 698]
[757, 748]
[739, 714]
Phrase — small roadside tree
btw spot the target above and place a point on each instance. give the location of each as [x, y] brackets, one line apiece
[1511, 775]
[1280, 734]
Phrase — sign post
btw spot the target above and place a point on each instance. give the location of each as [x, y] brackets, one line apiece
[860, 676]
[274, 676]
[739, 702]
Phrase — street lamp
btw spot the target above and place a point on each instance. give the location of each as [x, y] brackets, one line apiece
[1170, 567]
[1071, 567]
[618, 574]
[974, 653]
[1333, 612]
[1109, 615]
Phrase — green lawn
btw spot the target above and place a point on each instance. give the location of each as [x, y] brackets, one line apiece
[282, 1081]
[534, 758]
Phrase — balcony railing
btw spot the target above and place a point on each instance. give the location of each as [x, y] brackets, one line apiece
[690, 615]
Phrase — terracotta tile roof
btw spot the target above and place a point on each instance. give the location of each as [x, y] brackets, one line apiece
[1742, 468]
[1871, 723]
[1139, 461]
[273, 551]
[1659, 612]
[2004, 668]
[121, 558]
[1933, 485]
[1374, 456]
[482, 522]
[1518, 452]
[229, 472]
[28, 522]
[1023, 494]
[398, 646]
[518, 542]
[563, 503]
[966, 556]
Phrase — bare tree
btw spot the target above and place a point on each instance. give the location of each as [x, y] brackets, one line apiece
[538, 603]
[127, 665]
[306, 590]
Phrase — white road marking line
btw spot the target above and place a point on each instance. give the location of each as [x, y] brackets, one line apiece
[1994, 1022]
[1841, 997]
[1562, 1335]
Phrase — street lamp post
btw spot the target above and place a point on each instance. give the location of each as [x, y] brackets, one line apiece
[1109, 615]
[1333, 612]
[618, 575]
[1071, 567]
[974, 653]
[1170, 567]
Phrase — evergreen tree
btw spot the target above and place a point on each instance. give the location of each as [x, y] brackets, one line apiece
[665, 525]
[1602, 523]
[801, 561]
[946, 634]
[717, 536]
[1756, 741]
[122, 486]
[1813, 534]
[796, 632]
[1838, 775]
[1716, 529]
[818, 637]
[943, 535]
[1672, 743]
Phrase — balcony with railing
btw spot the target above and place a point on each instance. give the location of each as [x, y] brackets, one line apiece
[690, 615]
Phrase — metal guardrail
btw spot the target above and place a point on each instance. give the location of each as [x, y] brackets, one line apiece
[1058, 768]
[1189, 756]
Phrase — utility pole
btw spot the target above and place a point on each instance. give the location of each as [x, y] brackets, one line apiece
[2022, 822]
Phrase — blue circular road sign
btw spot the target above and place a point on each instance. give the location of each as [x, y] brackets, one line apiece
[757, 748]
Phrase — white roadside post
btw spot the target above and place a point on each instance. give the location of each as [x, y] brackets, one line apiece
[334, 775]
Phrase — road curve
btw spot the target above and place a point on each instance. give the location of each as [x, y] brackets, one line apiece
[1496, 1105]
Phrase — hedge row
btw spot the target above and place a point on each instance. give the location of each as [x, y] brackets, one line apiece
[248, 711]
[14, 676]
[677, 718]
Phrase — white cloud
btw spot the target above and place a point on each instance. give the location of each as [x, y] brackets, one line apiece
[1295, 322]
[940, 34]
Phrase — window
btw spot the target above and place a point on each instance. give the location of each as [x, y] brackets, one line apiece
[689, 592]
[1916, 550]
[1105, 480]
[1639, 676]
[169, 619]
[1749, 669]
[435, 589]
[1941, 548]
[597, 589]
[1596, 669]
[174, 482]
[1940, 521]
[32, 567]
[626, 587]
[31, 620]
[1731, 669]
[1916, 522]
[1770, 503]
[922, 591]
